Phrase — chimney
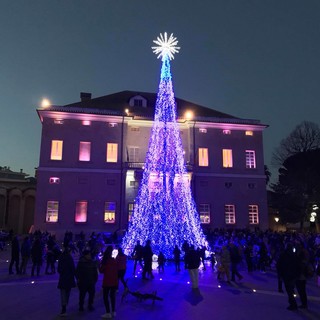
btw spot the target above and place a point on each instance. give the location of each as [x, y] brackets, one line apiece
[85, 96]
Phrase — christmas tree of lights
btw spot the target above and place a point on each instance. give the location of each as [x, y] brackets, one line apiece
[164, 209]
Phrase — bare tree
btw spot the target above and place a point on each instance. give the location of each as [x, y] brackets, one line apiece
[305, 137]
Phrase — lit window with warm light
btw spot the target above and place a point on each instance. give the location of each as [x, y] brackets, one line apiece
[203, 157]
[249, 133]
[112, 152]
[226, 131]
[84, 151]
[227, 158]
[81, 211]
[109, 212]
[250, 159]
[56, 150]
[230, 214]
[253, 214]
[52, 212]
[204, 211]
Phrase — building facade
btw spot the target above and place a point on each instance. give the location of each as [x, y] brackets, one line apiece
[92, 157]
[17, 201]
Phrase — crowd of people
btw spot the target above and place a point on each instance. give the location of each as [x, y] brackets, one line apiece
[294, 256]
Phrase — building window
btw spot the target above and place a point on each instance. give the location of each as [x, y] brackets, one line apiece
[138, 102]
[249, 133]
[250, 159]
[56, 150]
[86, 122]
[130, 210]
[230, 214]
[227, 158]
[226, 131]
[112, 152]
[202, 130]
[54, 180]
[133, 154]
[204, 210]
[52, 211]
[253, 214]
[134, 184]
[109, 212]
[203, 157]
[84, 151]
[81, 211]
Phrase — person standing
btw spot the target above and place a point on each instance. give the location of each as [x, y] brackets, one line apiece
[161, 261]
[87, 277]
[15, 255]
[225, 261]
[109, 269]
[176, 256]
[192, 261]
[288, 268]
[147, 259]
[66, 270]
[25, 254]
[36, 256]
[235, 258]
[137, 255]
[303, 257]
[122, 266]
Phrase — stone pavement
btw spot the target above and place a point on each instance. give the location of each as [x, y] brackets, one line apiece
[255, 297]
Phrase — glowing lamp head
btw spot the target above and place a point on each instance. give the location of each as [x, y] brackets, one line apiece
[188, 115]
[45, 103]
[126, 111]
[276, 219]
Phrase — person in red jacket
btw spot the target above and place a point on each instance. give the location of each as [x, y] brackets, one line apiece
[109, 268]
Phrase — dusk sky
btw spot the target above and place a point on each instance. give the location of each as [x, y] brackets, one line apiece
[257, 59]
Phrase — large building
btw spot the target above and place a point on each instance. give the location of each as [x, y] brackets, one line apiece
[92, 157]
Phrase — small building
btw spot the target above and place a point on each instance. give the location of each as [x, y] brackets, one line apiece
[17, 201]
[92, 157]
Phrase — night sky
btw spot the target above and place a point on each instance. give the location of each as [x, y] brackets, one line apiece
[257, 59]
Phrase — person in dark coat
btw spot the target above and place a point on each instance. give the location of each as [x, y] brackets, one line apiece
[137, 255]
[147, 258]
[176, 257]
[235, 258]
[87, 277]
[288, 268]
[36, 256]
[25, 254]
[192, 261]
[15, 255]
[122, 266]
[66, 270]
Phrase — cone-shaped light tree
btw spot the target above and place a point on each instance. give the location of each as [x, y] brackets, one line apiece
[164, 209]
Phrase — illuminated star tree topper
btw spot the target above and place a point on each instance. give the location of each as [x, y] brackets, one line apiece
[166, 46]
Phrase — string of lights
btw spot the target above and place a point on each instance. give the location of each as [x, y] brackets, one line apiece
[164, 210]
